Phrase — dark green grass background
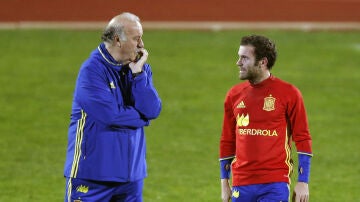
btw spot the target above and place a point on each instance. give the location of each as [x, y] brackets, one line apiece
[192, 72]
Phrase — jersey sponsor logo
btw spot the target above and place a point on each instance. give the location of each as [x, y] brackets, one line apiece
[257, 132]
[82, 188]
[112, 85]
[243, 120]
[235, 194]
[269, 103]
[241, 105]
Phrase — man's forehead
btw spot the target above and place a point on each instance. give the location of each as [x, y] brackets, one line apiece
[246, 49]
[134, 28]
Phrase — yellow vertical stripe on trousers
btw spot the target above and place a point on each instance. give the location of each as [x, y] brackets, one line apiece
[78, 141]
[288, 155]
[69, 188]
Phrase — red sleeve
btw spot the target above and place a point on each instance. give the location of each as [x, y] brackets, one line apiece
[299, 124]
[227, 140]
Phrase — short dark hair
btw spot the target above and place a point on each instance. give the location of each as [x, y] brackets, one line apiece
[111, 31]
[264, 47]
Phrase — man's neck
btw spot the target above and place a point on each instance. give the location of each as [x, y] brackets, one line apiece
[114, 52]
[261, 78]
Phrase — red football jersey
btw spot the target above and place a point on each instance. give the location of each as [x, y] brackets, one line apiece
[260, 121]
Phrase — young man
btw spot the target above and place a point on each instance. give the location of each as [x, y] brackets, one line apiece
[261, 118]
[114, 100]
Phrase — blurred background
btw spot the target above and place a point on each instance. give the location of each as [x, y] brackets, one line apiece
[193, 48]
[21, 13]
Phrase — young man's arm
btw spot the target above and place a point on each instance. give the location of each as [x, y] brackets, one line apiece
[225, 190]
[227, 149]
[301, 190]
[225, 165]
[302, 139]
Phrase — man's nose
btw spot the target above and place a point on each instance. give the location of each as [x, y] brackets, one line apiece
[239, 63]
[141, 43]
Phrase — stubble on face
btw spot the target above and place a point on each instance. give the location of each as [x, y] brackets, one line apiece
[249, 69]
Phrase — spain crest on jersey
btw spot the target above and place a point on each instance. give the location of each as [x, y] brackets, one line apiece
[269, 103]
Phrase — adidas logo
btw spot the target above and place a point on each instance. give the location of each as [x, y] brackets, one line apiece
[112, 85]
[241, 105]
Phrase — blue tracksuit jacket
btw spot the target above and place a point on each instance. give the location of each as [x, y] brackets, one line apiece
[106, 140]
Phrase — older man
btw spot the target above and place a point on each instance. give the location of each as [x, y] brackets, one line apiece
[114, 99]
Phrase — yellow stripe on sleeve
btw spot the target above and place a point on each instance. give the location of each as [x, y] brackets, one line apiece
[78, 142]
[288, 155]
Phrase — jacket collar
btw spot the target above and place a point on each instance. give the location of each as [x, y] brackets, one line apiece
[107, 57]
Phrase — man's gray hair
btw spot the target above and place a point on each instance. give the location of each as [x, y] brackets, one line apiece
[116, 27]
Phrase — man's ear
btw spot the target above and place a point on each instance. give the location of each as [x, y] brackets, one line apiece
[117, 41]
[264, 62]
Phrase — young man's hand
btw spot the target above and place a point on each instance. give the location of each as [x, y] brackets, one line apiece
[225, 190]
[301, 192]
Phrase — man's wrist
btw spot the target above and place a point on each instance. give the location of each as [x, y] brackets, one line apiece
[304, 167]
[225, 165]
[137, 74]
[224, 182]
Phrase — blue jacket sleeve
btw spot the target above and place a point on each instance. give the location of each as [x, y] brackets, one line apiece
[94, 96]
[146, 98]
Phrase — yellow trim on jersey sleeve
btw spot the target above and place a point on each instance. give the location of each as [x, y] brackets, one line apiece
[78, 142]
[288, 155]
